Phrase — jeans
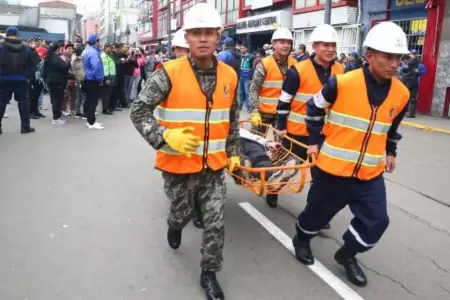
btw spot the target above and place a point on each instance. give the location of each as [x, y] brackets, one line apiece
[81, 98]
[92, 89]
[127, 88]
[41, 97]
[106, 96]
[244, 86]
[34, 92]
[56, 97]
[20, 91]
[132, 87]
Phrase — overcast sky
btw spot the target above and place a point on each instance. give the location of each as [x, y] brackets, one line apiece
[82, 5]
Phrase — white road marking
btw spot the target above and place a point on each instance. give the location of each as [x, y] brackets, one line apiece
[320, 270]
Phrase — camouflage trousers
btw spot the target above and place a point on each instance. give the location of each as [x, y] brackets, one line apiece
[266, 119]
[209, 190]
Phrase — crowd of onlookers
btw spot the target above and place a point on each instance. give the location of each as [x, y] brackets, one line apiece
[75, 75]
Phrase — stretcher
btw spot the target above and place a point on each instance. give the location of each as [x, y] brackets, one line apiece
[256, 179]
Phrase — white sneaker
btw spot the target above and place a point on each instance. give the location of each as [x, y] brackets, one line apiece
[5, 116]
[65, 113]
[96, 125]
[284, 175]
[58, 122]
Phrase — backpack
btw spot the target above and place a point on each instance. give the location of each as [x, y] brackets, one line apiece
[234, 61]
[40, 72]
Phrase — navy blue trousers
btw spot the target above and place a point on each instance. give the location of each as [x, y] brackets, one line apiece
[330, 194]
[20, 91]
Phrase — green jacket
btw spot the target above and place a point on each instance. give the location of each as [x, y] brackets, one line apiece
[109, 67]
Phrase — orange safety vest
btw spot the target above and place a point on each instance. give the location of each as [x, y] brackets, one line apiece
[187, 106]
[310, 85]
[356, 131]
[270, 91]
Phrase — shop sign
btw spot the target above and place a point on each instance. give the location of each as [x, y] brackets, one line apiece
[265, 22]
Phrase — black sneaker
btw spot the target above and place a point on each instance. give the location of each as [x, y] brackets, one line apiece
[40, 115]
[107, 112]
[34, 116]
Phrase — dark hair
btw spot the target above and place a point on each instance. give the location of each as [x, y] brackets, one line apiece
[69, 45]
[261, 51]
[52, 49]
[78, 51]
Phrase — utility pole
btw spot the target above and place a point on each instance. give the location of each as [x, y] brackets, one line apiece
[169, 28]
[327, 12]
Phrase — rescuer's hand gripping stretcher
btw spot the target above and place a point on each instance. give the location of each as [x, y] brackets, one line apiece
[268, 162]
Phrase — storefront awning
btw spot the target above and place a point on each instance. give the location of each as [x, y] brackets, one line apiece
[146, 36]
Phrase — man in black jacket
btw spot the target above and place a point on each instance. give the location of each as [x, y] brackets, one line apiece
[16, 62]
[34, 86]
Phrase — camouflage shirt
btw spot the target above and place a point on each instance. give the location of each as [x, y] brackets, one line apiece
[258, 79]
[157, 89]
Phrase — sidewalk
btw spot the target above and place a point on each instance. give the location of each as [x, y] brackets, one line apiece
[428, 123]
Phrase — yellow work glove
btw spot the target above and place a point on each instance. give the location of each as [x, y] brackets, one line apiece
[256, 119]
[182, 140]
[233, 163]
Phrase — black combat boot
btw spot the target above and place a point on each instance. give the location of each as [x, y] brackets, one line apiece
[174, 238]
[354, 272]
[303, 251]
[197, 218]
[26, 130]
[272, 200]
[412, 111]
[212, 288]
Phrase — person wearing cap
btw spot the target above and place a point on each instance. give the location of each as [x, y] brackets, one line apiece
[354, 148]
[353, 62]
[303, 81]
[93, 67]
[411, 71]
[230, 55]
[265, 87]
[109, 69]
[16, 65]
[196, 136]
[34, 87]
[180, 47]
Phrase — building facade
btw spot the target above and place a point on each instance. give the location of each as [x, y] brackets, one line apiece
[125, 22]
[107, 17]
[90, 25]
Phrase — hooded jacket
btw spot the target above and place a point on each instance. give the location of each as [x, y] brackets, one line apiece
[16, 61]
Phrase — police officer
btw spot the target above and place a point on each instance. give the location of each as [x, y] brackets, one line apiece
[366, 107]
[265, 88]
[180, 47]
[15, 67]
[303, 81]
[196, 135]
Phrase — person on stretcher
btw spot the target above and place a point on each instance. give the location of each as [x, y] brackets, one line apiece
[254, 154]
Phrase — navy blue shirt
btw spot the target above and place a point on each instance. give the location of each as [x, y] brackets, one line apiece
[376, 94]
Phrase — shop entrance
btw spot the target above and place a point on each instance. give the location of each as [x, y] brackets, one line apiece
[257, 40]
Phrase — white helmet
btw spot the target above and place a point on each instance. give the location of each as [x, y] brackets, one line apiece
[282, 34]
[324, 33]
[387, 37]
[179, 40]
[202, 15]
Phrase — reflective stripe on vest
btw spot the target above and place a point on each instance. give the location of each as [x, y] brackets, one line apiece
[191, 115]
[270, 90]
[213, 147]
[356, 132]
[186, 106]
[357, 123]
[310, 85]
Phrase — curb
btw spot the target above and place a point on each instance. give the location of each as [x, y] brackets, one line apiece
[425, 127]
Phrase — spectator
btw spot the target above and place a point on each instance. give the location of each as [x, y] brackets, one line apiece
[411, 71]
[109, 69]
[93, 67]
[56, 73]
[353, 62]
[34, 86]
[230, 56]
[77, 69]
[300, 53]
[245, 77]
[70, 93]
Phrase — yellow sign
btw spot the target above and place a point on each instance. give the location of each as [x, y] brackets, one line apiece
[418, 26]
[408, 2]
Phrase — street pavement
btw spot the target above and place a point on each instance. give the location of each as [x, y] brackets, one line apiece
[83, 216]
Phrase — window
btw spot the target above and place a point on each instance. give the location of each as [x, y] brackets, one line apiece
[162, 24]
[228, 10]
[311, 3]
